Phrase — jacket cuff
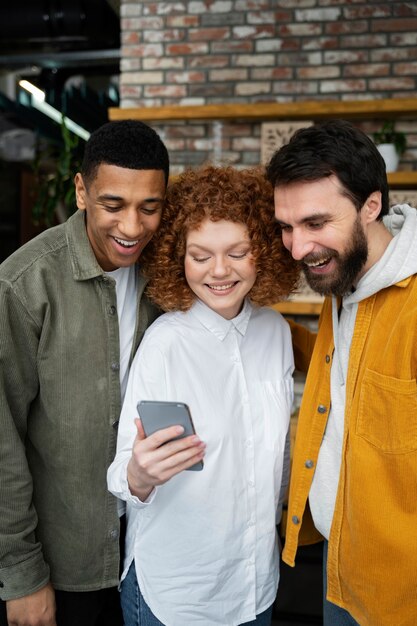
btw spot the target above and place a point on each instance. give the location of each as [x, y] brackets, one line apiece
[23, 578]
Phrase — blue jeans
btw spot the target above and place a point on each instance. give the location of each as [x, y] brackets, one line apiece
[137, 613]
[333, 615]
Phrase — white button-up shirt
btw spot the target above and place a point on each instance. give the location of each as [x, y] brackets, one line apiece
[204, 543]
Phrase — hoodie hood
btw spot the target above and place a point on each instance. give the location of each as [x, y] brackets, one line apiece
[399, 260]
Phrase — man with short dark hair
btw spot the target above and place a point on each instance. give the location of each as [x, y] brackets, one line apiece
[72, 314]
[355, 457]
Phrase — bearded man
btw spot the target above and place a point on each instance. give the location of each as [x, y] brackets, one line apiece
[355, 459]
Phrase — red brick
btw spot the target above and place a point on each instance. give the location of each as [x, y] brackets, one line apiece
[272, 73]
[210, 60]
[253, 32]
[405, 68]
[319, 72]
[339, 28]
[232, 46]
[131, 38]
[368, 11]
[393, 54]
[159, 36]
[183, 21]
[144, 50]
[346, 56]
[300, 30]
[394, 25]
[181, 49]
[364, 41]
[404, 39]
[186, 131]
[175, 91]
[295, 87]
[185, 77]
[336, 86]
[368, 69]
[127, 91]
[320, 43]
[208, 34]
[389, 84]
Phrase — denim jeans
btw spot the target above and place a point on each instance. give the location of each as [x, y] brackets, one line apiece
[333, 615]
[137, 613]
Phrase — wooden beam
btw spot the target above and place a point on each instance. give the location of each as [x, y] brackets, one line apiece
[361, 109]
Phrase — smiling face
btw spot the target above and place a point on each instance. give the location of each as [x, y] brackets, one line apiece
[218, 265]
[124, 208]
[323, 230]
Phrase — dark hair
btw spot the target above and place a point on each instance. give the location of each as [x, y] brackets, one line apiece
[126, 143]
[218, 193]
[338, 148]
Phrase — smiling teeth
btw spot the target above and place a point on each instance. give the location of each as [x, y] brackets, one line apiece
[317, 263]
[221, 287]
[126, 244]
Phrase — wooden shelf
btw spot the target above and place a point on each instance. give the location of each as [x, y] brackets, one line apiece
[316, 109]
[294, 307]
[402, 180]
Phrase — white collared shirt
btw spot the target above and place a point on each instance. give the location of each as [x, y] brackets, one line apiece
[204, 543]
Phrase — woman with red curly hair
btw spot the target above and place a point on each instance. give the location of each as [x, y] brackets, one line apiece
[201, 546]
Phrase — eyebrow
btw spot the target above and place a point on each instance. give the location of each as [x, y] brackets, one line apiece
[309, 218]
[111, 197]
[234, 245]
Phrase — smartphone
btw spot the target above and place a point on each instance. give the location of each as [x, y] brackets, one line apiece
[156, 415]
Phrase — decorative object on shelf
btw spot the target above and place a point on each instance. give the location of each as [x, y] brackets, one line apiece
[391, 144]
[54, 169]
[277, 134]
[403, 196]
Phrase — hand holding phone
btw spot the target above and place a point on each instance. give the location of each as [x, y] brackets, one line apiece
[156, 415]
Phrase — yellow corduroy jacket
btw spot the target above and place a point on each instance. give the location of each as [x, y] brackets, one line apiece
[372, 558]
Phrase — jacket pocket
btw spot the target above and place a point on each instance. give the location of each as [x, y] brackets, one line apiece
[387, 416]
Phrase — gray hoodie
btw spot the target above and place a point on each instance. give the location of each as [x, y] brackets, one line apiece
[398, 262]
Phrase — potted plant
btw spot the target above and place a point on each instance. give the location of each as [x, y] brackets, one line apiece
[54, 171]
[391, 144]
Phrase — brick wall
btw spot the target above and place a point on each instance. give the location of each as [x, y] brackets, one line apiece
[215, 51]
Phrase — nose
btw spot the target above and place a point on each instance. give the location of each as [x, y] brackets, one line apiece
[220, 266]
[297, 243]
[131, 225]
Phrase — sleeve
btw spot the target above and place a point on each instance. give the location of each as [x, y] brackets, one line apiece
[22, 566]
[285, 478]
[147, 381]
[303, 341]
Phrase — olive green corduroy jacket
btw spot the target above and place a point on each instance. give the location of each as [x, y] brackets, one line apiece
[371, 568]
[59, 407]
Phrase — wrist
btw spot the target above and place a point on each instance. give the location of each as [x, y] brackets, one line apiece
[137, 488]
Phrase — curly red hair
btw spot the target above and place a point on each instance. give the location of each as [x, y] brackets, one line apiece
[217, 193]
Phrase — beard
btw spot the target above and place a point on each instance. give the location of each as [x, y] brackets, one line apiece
[349, 264]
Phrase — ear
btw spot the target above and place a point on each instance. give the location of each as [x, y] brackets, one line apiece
[372, 207]
[80, 192]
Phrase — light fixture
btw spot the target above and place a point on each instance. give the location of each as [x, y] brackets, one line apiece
[38, 102]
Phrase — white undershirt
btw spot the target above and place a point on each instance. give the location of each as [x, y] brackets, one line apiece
[126, 287]
[204, 543]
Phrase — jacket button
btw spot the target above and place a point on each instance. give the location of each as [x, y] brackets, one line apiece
[309, 463]
[321, 408]
[1, 584]
[115, 366]
[115, 424]
[112, 310]
[295, 519]
[327, 358]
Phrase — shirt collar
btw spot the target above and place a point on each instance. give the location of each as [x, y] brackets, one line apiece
[217, 324]
[83, 261]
